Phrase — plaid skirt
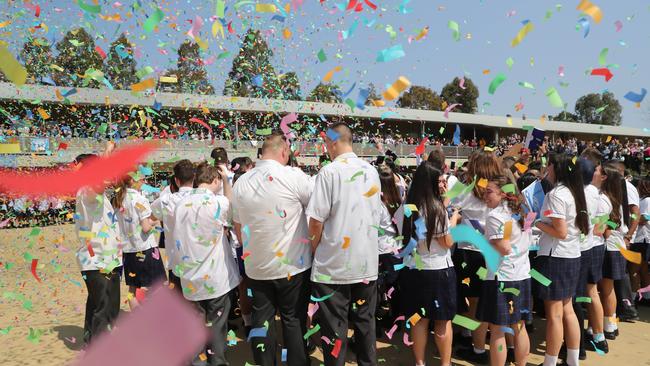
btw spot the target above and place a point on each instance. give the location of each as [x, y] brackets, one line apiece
[614, 265]
[563, 273]
[142, 269]
[594, 265]
[505, 302]
[430, 293]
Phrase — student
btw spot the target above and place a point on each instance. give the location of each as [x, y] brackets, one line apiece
[564, 220]
[209, 271]
[278, 261]
[142, 263]
[163, 210]
[388, 304]
[428, 285]
[498, 306]
[344, 214]
[98, 256]
[639, 272]
[615, 199]
[467, 258]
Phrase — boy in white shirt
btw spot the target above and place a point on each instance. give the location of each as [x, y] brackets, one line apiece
[208, 270]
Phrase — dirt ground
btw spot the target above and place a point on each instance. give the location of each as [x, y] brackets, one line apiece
[41, 322]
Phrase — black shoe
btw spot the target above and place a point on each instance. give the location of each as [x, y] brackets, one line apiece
[629, 315]
[469, 355]
[582, 354]
[611, 335]
[510, 357]
[602, 346]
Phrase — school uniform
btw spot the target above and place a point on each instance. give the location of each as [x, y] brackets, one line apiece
[591, 249]
[388, 259]
[642, 237]
[142, 262]
[506, 294]
[346, 259]
[163, 208]
[208, 270]
[559, 259]
[428, 281]
[614, 265]
[269, 203]
[100, 260]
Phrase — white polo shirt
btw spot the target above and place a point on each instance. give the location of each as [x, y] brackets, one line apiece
[435, 256]
[135, 208]
[516, 265]
[643, 231]
[208, 267]
[592, 197]
[349, 210]
[387, 234]
[96, 230]
[270, 201]
[472, 209]
[632, 196]
[616, 238]
[163, 208]
[559, 203]
[604, 209]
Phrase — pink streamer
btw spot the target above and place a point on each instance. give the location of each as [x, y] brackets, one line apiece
[392, 330]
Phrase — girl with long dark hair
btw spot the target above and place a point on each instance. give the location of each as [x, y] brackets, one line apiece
[640, 277]
[428, 283]
[564, 220]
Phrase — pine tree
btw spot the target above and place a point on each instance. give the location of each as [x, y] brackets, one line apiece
[192, 76]
[120, 68]
[290, 86]
[325, 93]
[37, 56]
[252, 74]
[453, 93]
[78, 58]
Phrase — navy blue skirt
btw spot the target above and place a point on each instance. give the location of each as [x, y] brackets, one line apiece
[563, 273]
[430, 293]
[505, 302]
[614, 266]
[142, 269]
[595, 265]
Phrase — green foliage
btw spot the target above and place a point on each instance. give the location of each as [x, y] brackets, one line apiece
[420, 97]
[37, 56]
[452, 93]
[290, 86]
[589, 109]
[80, 62]
[324, 93]
[565, 116]
[192, 76]
[120, 68]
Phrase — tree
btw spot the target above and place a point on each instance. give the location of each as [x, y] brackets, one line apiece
[452, 93]
[80, 62]
[169, 87]
[37, 56]
[372, 94]
[120, 68]
[290, 86]
[565, 116]
[252, 74]
[325, 93]
[192, 76]
[420, 97]
[602, 109]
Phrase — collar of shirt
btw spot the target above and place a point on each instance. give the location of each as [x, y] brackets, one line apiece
[185, 189]
[202, 191]
[350, 155]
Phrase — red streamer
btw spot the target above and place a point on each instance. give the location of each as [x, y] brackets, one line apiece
[202, 123]
[34, 264]
[603, 72]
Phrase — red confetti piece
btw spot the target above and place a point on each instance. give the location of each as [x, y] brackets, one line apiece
[245, 255]
[337, 348]
[420, 149]
[139, 295]
[230, 30]
[63, 146]
[100, 51]
[91, 252]
[34, 264]
[547, 212]
[603, 72]
[373, 6]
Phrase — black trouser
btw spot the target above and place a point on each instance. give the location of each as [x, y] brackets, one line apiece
[290, 298]
[624, 297]
[176, 281]
[103, 302]
[215, 312]
[333, 319]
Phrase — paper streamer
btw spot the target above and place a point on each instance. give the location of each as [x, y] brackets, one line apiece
[631, 256]
[93, 9]
[465, 322]
[455, 29]
[312, 331]
[397, 88]
[539, 277]
[374, 189]
[143, 85]
[590, 9]
[584, 23]
[33, 270]
[266, 8]
[390, 54]
[153, 20]
[498, 80]
[330, 74]
[602, 57]
[603, 72]
[449, 108]
[467, 234]
[521, 34]
[634, 97]
[12, 69]
[554, 98]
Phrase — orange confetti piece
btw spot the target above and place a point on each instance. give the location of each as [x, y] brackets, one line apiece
[346, 242]
[143, 85]
[483, 182]
[631, 256]
[374, 189]
[521, 168]
[330, 74]
[507, 230]
[486, 71]
[286, 33]
[415, 318]
[43, 113]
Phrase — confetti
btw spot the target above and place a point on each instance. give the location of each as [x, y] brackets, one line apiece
[498, 80]
[590, 9]
[12, 69]
[374, 189]
[467, 234]
[453, 26]
[397, 88]
[465, 322]
[539, 277]
[521, 34]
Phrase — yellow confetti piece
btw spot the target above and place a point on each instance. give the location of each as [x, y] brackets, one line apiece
[397, 88]
[609, 138]
[169, 79]
[521, 168]
[522, 34]
[414, 318]
[143, 85]
[279, 254]
[265, 8]
[5, 23]
[43, 113]
[346, 242]
[9, 148]
[217, 28]
[374, 189]
[203, 357]
[483, 182]
[286, 33]
[590, 9]
[507, 230]
[330, 74]
[631, 256]
[465, 281]
[86, 234]
[361, 302]
[12, 69]
[412, 207]
[131, 274]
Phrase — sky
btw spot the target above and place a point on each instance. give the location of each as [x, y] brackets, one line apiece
[555, 53]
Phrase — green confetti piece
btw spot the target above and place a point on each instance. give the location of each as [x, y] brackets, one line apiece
[319, 299]
[6, 330]
[264, 131]
[144, 72]
[498, 80]
[35, 335]
[511, 290]
[510, 62]
[539, 277]
[526, 85]
[441, 130]
[509, 188]
[482, 273]
[602, 58]
[153, 20]
[455, 29]
[322, 57]
[465, 322]
[312, 331]
[554, 98]
[35, 231]
[583, 299]
[223, 55]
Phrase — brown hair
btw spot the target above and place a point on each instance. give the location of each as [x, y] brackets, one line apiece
[120, 192]
[482, 164]
[644, 187]
[616, 190]
[516, 202]
[206, 173]
[593, 155]
[389, 193]
[437, 157]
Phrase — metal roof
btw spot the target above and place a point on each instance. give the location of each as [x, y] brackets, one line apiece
[9, 91]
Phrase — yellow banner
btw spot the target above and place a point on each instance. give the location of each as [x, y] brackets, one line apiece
[9, 148]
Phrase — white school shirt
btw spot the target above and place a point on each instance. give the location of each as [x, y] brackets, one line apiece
[348, 251]
[592, 197]
[604, 209]
[632, 197]
[208, 269]
[269, 203]
[163, 208]
[135, 208]
[559, 203]
[616, 238]
[433, 258]
[516, 265]
[643, 231]
[95, 228]
[471, 208]
[387, 234]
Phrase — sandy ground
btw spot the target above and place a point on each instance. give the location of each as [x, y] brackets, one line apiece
[41, 322]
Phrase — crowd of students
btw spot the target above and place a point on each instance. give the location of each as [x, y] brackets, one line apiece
[357, 247]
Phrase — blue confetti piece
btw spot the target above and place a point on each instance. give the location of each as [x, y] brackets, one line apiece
[284, 355]
[257, 333]
[464, 233]
[634, 97]
[420, 228]
[409, 248]
[249, 292]
[399, 266]
[332, 135]
[507, 330]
